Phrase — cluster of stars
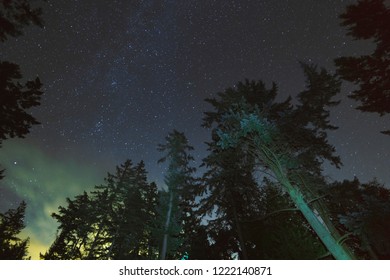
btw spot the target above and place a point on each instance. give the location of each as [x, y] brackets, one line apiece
[120, 75]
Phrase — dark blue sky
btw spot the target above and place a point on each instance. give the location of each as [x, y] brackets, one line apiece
[119, 75]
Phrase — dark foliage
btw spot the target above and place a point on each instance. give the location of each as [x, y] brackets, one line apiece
[180, 221]
[15, 99]
[280, 231]
[115, 221]
[17, 14]
[364, 211]
[369, 20]
[11, 224]
[231, 190]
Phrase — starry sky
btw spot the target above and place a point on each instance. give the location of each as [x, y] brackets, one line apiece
[120, 75]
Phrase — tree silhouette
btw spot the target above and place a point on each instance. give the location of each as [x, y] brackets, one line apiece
[15, 15]
[230, 192]
[16, 97]
[115, 221]
[133, 213]
[229, 187]
[260, 138]
[180, 183]
[276, 140]
[280, 229]
[369, 20]
[364, 211]
[77, 227]
[11, 224]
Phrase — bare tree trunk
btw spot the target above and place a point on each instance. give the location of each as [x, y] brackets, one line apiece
[274, 163]
[319, 227]
[168, 221]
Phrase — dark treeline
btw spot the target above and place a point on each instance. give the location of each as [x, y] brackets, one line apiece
[118, 220]
[16, 97]
[262, 195]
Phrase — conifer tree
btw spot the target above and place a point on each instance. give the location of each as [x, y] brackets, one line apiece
[16, 97]
[262, 143]
[369, 20]
[11, 224]
[280, 230]
[180, 183]
[77, 227]
[116, 220]
[17, 14]
[274, 137]
[363, 212]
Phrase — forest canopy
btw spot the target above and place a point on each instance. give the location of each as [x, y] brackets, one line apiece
[258, 191]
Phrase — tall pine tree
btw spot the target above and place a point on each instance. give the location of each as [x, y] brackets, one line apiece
[272, 136]
[180, 194]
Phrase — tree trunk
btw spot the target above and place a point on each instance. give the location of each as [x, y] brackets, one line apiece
[261, 147]
[239, 232]
[337, 250]
[168, 221]
[327, 237]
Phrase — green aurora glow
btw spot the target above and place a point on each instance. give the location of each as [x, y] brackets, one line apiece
[43, 182]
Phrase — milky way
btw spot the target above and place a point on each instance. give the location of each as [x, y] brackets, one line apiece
[119, 75]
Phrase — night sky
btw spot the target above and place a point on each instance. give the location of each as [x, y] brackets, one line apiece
[120, 75]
